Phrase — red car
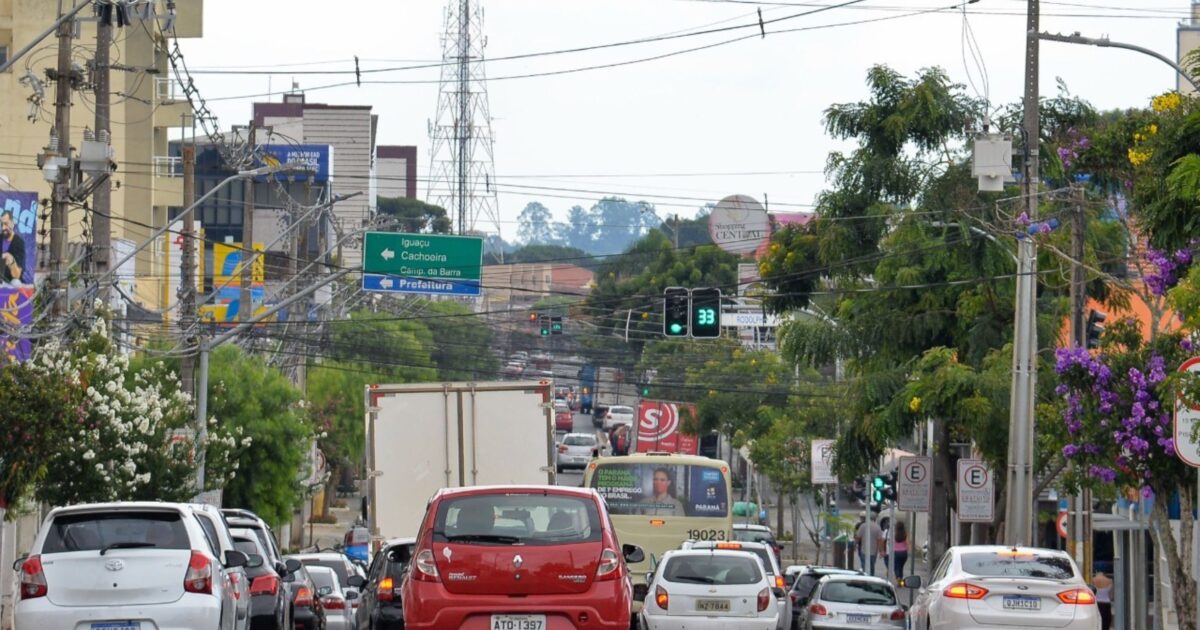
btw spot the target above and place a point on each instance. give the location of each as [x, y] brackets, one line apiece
[564, 421]
[520, 558]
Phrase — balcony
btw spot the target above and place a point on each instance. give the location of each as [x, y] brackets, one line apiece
[168, 166]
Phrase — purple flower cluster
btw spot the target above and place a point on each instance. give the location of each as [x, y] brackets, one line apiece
[1075, 145]
[1168, 269]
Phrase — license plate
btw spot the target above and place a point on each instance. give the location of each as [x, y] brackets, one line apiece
[518, 622]
[858, 618]
[117, 625]
[712, 605]
[1022, 602]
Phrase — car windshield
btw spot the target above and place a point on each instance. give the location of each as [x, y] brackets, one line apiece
[579, 440]
[622, 410]
[100, 531]
[862, 593]
[753, 535]
[323, 579]
[510, 519]
[1015, 564]
[246, 546]
[338, 567]
[712, 569]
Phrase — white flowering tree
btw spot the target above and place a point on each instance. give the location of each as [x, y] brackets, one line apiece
[134, 439]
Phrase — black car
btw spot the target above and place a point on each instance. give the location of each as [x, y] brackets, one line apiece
[270, 603]
[307, 613]
[803, 584]
[381, 607]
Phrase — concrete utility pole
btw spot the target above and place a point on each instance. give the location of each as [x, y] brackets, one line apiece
[102, 197]
[1018, 528]
[62, 186]
[187, 271]
[1083, 503]
[245, 304]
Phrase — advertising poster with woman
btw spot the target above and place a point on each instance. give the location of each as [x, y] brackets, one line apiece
[662, 490]
[18, 257]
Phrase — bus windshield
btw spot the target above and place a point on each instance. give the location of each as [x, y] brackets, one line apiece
[662, 489]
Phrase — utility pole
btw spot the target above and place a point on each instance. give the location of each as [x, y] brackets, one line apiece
[1082, 514]
[102, 197]
[62, 185]
[245, 304]
[187, 272]
[1018, 529]
[464, 110]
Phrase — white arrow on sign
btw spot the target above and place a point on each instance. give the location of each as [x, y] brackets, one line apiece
[386, 283]
[387, 254]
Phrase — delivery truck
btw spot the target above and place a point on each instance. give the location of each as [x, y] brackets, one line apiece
[422, 437]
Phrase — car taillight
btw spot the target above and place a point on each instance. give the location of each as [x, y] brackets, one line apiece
[33, 580]
[962, 590]
[778, 581]
[426, 567]
[264, 585]
[818, 610]
[199, 574]
[1079, 596]
[562, 448]
[764, 599]
[333, 603]
[609, 565]
[662, 598]
[897, 615]
[303, 597]
[383, 592]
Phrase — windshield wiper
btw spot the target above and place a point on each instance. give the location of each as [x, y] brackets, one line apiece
[126, 545]
[496, 538]
[695, 578]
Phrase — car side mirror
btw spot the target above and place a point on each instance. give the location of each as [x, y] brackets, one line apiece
[254, 561]
[633, 553]
[912, 581]
[235, 559]
[778, 592]
[351, 595]
[357, 581]
[649, 577]
[291, 565]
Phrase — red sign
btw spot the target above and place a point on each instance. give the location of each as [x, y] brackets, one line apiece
[658, 428]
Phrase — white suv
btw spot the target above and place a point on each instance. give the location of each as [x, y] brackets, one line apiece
[765, 554]
[126, 566]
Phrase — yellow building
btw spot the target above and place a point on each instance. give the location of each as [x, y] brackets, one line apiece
[1187, 39]
[146, 104]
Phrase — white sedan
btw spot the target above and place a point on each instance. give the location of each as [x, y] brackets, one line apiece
[709, 590]
[999, 588]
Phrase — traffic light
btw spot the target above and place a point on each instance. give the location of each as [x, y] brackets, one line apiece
[878, 484]
[889, 486]
[533, 317]
[675, 311]
[645, 389]
[544, 325]
[556, 325]
[706, 313]
[1095, 328]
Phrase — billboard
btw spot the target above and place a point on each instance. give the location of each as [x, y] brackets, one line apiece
[739, 225]
[665, 489]
[317, 159]
[659, 428]
[18, 259]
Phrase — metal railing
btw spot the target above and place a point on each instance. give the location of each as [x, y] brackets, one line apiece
[168, 166]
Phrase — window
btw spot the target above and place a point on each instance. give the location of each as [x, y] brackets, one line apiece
[3, 55]
[531, 519]
[1012, 564]
[93, 531]
[579, 440]
[662, 489]
[210, 534]
[861, 593]
[712, 569]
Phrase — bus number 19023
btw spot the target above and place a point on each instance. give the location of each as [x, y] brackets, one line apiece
[706, 534]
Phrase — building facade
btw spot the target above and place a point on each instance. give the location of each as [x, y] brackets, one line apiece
[1187, 39]
[396, 171]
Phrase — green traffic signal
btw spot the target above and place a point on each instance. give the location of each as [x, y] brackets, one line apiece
[877, 496]
[878, 482]
[676, 328]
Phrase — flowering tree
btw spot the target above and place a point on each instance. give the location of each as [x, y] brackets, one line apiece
[132, 439]
[39, 415]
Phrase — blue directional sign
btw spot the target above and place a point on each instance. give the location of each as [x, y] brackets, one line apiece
[411, 284]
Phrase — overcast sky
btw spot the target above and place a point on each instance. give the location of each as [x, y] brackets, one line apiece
[694, 127]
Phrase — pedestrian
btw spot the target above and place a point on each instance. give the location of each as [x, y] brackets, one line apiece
[869, 528]
[899, 542]
[1103, 585]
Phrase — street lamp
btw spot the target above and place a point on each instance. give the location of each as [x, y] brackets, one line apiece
[1076, 38]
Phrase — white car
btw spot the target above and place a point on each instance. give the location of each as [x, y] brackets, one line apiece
[576, 450]
[350, 576]
[618, 414]
[218, 533]
[765, 554]
[999, 588]
[126, 566]
[709, 589]
[334, 599]
[852, 602]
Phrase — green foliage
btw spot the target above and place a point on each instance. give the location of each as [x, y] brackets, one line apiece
[460, 342]
[40, 415]
[791, 266]
[335, 404]
[558, 254]
[416, 216]
[245, 393]
[399, 347]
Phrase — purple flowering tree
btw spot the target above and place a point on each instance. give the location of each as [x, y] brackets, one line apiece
[1116, 408]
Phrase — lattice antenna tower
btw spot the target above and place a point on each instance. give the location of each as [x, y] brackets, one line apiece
[461, 166]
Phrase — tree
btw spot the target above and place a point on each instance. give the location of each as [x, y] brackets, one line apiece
[557, 254]
[462, 342]
[398, 345]
[579, 231]
[40, 415]
[416, 216]
[534, 224]
[248, 394]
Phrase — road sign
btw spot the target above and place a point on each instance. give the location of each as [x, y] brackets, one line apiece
[396, 262]
[1060, 524]
[1186, 417]
[976, 492]
[822, 462]
[914, 488]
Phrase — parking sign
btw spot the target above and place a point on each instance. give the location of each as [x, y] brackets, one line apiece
[914, 488]
[976, 492]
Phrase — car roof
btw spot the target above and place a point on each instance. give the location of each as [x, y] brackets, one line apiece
[587, 493]
[392, 542]
[124, 506]
[752, 526]
[837, 577]
[705, 544]
[320, 569]
[675, 553]
[586, 435]
[320, 555]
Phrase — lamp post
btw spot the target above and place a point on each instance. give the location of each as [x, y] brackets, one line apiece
[1104, 42]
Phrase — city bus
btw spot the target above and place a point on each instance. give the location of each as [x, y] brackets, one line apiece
[659, 500]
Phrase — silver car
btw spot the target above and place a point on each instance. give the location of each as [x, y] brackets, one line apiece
[335, 600]
[853, 602]
[576, 450]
